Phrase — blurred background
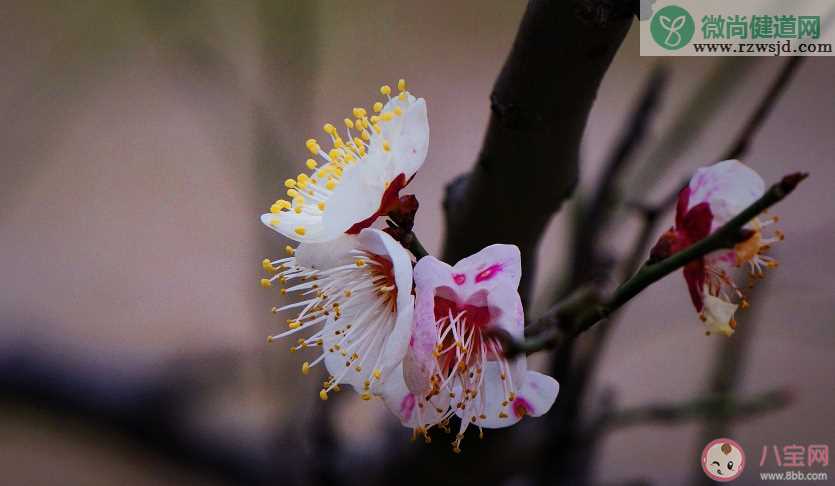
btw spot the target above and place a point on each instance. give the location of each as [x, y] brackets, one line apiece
[141, 140]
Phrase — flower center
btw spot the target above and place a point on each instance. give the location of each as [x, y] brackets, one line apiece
[350, 309]
[462, 351]
[382, 276]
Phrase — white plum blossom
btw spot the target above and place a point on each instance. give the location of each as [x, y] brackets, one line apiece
[714, 196]
[356, 306]
[359, 178]
[454, 364]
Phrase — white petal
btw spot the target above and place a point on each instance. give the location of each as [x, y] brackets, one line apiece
[728, 187]
[493, 266]
[430, 274]
[397, 343]
[406, 405]
[538, 394]
[410, 145]
[354, 199]
[535, 398]
[288, 222]
[718, 314]
[492, 394]
[321, 256]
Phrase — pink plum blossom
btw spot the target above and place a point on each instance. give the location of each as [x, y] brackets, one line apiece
[454, 365]
[713, 197]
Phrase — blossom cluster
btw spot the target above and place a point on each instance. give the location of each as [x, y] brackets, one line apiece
[393, 323]
[408, 329]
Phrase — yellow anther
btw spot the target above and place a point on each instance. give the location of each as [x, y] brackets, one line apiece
[290, 250]
[376, 129]
[290, 183]
[298, 200]
[402, 96]
[323, 394]
[269, 339]
[366, 396]
[275, 209]
[312, 145]
[347, 293]
[401, 85]
[386, 145]
[274, 222]
[398, 111]
[334, 154]
[305, 368]
[358, 112]
[338, 143]
[329, 129]
[292, 193]
[282, 204]
[298, 209]
[502, 415]
[385, 90]
[294, 324]
[359, 262]
[378, 107]
[331, 184]
[265, 282]
[365, 135]
[321, 206]
[387, 116]
[311, 164]
[300, 230]
[349, 123]
[377, 374]
[375, 119]
[267, 265]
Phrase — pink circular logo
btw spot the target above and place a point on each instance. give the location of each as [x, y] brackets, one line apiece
[723, 460]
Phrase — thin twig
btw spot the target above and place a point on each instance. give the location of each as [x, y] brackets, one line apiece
[561, 327]
[743, 141]
[593, 220]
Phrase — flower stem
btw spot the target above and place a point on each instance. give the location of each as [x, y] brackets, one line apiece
[412, 243]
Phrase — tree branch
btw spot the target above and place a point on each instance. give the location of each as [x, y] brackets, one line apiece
[561, 327]
[725, 406]
[529, 160]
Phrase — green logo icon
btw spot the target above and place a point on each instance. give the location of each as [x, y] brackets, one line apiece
[672, 27]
